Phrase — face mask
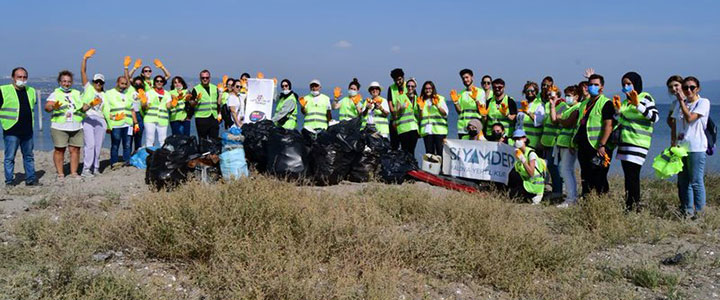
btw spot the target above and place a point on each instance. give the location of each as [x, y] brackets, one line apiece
[570, 99]
[627, 88]
[315, 93]
[495, 136]
[530, 98]
[594, 90]
[352, 93]
[20, 83]
[285, 92]
[520, 144]
[64, 89]
[472, 132]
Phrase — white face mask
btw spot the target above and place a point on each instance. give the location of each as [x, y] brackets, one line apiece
[285, 92]
[20, 83]
[315, 93]
[570, 99]
[352, 93]
[519, 144]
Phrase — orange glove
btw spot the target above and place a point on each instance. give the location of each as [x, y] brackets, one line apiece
[188, 97]
[617, 102]
[337, 92]
[524, 106]
[174, 101]
[221, 87]
[138, 63]
[474, 93]
[356, 99]
[57, 105]
[219, 118]
[89, 53]
[224, 79]
[136, 128]
[142, 97]
[127, 61]
[199, 96]
[634, 98]
[158, 63]
[454, 96]
[260, 75]
[274, 81]
[119, 116]
[302, 101]
[518, 153]
[482, 110]
[435, 100]
[503, 109]
[96, 101]
[421, 102]
[606, 162]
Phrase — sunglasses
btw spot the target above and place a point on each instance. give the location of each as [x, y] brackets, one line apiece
[204, 78]
[147, 71]
[486, 82]
[530, 91]
[691, 88]
[411, 86]
[160, 81]
[100, 82]
[238, 86]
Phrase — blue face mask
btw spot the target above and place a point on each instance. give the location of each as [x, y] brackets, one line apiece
[594, 90]
[627, 88]
[64, 89]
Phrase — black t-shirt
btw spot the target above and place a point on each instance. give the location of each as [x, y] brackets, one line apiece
[24, 125]
[608, 113]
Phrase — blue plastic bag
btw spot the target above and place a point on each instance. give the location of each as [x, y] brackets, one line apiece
[139, 159]
[233, 164]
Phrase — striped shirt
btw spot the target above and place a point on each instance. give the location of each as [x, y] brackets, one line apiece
[632, 153]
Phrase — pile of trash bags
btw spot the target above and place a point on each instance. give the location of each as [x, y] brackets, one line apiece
[342, 152]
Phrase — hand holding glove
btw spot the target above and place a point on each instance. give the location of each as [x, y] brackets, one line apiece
[337, 92]
[482, 110]
[96, 101]
[436, 100]
[474, 93]
[127, 61]
[520, 156]
[503, 109]
[633, 96]
[89, 53]
[524, 106]
[138, 63]
[302, 101]
[158, 63]
[617, 102]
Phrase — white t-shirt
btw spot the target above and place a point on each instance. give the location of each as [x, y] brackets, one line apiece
[238, 104]
[70, 124]
[95, 111]
[692, 134]
[428, 103]
[371, 112]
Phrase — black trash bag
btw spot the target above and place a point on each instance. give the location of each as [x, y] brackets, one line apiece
[226, 116]
[182, 148]
[162, 172]
[335, 151]
[367, 165]
[287, 154]
[210, 146]
[255, 143]
[395, 164]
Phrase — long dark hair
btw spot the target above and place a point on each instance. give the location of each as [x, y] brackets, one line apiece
[434, 90]
[182, 82]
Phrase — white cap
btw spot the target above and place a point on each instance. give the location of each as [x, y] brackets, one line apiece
[99, 77]
[374, 84]
[315, 81]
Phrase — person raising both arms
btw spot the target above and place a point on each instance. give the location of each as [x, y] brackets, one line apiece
[376, 111]
[501, 108]
[466, 104]
[317, 109]
[146, 72]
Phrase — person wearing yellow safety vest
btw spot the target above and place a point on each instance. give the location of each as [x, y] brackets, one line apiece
[286, 111]
[500, 108]
[179, 117]
[397, 92]
[636, 118]
[317, 108]
[376, 111]
[474, 130]
[531, 114]
[94, 125]
[205, 102]
[550, 132]
[567, 150]
[406, 122]
[133, 92]
[350, 106]
[67, 112]
[545, 85]
[146, 72]
[432, 111]
[467, 103]
[119, 117]
[157, 112]
[526, 179]
[235, 106]
[486, 84]
[596, 124]
[17, 119]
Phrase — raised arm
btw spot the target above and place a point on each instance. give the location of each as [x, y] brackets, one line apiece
[83, 66]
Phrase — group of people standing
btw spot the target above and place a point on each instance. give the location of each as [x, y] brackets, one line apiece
[552, 127]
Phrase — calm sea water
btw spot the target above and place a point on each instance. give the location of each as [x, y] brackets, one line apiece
[661, 135]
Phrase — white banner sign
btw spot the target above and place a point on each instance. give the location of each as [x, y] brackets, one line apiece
[259, 101]
[480, 160]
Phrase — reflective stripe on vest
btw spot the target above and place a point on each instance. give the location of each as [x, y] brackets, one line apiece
[347, 109]
[551, 130]
[468, 111]
[635, 128]
[178, 112]
[431, 115]
[58, 115]
[10, 110]
[594, 122]
[536, 183]
[117, 103]
[397, 97]
[316, 112]
[406, 121]
[494, 115]
[533, 133]
[157, 112]
[565, 136]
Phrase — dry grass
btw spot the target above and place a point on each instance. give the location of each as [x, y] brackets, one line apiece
[263, 238]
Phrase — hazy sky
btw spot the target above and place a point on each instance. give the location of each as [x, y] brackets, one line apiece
[337, 40]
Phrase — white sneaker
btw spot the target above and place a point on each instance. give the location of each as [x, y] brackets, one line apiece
[566, 204]
[536, 200]
[87, 174]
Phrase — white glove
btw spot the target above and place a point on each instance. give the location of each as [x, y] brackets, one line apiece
[522, 159]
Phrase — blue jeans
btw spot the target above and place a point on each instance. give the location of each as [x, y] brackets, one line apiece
[180, 127]
[691, 183]
[117, 136]
[26, 147]
[556, 180]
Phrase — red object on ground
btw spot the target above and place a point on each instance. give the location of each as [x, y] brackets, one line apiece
[437, 181]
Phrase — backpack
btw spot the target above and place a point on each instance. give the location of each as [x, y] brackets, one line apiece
[711, 134]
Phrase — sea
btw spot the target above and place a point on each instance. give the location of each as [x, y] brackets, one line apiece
[660, 141]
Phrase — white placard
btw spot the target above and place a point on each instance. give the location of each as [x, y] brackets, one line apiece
[259, 101]
[480, 160]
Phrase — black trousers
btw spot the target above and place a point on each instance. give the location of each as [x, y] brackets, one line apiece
[461, 136]
[632, 184]
[592, 177]
[434, 143]
[207, 127]
[408, 141]
[394, 137]
[516, 188]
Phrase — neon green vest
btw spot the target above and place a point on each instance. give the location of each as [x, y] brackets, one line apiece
[533, 133]
[407, 121]
[382, 125]
[207, 105]
[397, 97]
[594, 122]
[347, 109]
[157, 111]
[536, 183]
[635, 128]
[291, 121]
[551, 130]
[468, 111]
[58, 115]
[223, 98]
[10, 110]
[115, 103]
[316, 112]
[494, 115]
[178, 112]
[565, 136]
[669, 162]
[431, 115]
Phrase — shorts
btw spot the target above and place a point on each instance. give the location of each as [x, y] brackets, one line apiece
[62, 139]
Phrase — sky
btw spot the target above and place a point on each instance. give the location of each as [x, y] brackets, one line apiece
[335, 41]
